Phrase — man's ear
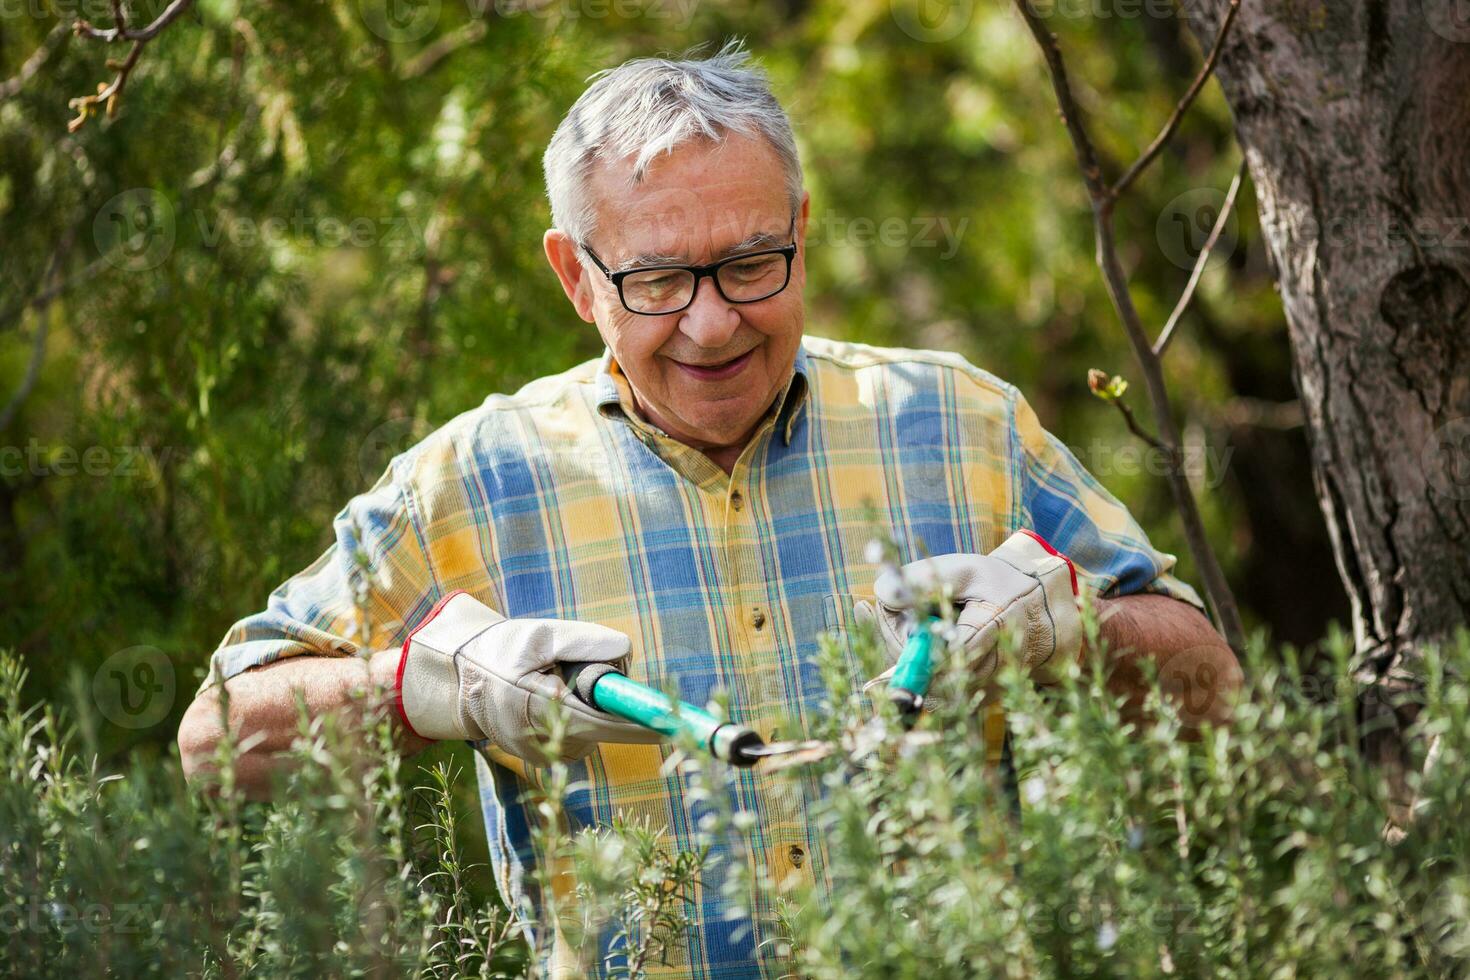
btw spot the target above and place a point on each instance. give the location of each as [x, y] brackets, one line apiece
[802, 215]
[561, 252]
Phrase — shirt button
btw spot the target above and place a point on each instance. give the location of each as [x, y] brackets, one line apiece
[797, 855]
[737, 500]
[758, 619]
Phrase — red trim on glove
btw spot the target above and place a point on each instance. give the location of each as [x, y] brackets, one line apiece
[1052, 551]
[403, 660]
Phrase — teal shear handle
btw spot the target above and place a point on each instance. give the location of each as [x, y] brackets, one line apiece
[603, 687]
[912, 673]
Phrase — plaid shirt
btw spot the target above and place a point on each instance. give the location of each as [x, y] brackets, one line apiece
[559, 501]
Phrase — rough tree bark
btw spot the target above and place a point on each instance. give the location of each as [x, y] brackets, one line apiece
[1355, 121]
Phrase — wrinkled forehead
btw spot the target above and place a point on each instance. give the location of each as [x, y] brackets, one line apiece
[694, 205]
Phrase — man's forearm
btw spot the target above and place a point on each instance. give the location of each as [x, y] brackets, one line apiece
[263, 713]
[1196, 668]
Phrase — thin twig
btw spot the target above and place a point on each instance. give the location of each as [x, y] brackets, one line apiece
[33, 370]
[229, 155]
[41, 303]
[1162, 344]
[44, 294]
[1135, 428]
[111, 93]
[1071, 113]
[1217, 589]
[428, 59]
[121, 32]
[11, 87]
[1165, 134]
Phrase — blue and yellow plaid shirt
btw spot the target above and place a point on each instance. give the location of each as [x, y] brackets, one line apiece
[560, 501]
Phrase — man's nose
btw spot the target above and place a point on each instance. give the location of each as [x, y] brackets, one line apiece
[710, 321]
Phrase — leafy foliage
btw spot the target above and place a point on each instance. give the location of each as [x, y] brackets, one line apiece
[1257, 850]
[1252, 851]
[309, 237]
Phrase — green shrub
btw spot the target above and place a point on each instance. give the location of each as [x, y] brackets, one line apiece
[1257, 851]
[1254, 851]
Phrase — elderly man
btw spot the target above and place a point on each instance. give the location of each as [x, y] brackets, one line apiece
[694, 506]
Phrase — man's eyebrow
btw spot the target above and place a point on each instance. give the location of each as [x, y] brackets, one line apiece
[761, 239]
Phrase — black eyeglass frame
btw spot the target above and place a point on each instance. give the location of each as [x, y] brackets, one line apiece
[700, 272]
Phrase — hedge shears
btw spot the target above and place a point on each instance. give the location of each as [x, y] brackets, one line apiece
[604, 687]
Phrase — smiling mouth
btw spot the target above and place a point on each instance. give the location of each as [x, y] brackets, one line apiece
[718, 371]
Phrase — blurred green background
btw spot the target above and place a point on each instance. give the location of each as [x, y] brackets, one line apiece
[312, 234]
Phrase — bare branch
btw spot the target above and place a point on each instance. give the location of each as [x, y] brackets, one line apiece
[106, 94]
[428, 59]
[47, 294]
[1137, 429]
[11, 87]
[1071, 112]
[121, 32]
[41, 303]
[1221, 598]
[1162, 344]
[33, 369]
[227, 157]
[1165, 134]
[109, 94]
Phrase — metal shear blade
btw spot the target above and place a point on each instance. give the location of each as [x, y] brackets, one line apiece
[782, 755]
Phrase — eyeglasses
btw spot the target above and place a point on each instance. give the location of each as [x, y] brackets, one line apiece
[657, 290]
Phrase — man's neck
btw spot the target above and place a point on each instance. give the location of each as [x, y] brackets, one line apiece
[725, 457]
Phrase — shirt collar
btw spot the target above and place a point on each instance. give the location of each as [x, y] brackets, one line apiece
[615, 397]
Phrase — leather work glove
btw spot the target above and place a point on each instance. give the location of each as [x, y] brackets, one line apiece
[1024, 585]
[468, 672]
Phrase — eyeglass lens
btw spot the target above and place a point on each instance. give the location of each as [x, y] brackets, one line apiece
[742, 281]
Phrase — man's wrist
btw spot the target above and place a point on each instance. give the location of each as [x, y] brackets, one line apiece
[381, 683]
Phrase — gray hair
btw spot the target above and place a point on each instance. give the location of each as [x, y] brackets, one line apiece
[649, 106]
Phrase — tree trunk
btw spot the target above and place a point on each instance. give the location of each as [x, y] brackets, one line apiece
[1355, 121]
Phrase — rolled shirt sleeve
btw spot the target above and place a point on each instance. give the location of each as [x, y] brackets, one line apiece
[1061, 501]
[361, 594]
